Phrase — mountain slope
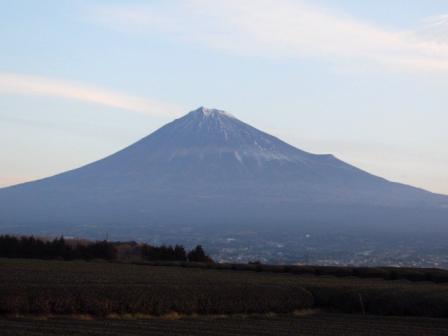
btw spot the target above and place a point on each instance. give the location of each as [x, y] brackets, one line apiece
[209, 167]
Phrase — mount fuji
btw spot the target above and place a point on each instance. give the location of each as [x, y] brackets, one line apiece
[209, 171]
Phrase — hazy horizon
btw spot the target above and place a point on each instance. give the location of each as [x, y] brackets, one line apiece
[363, 81]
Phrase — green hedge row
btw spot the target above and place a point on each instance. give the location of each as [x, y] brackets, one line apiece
[153, 299]
[386, 273]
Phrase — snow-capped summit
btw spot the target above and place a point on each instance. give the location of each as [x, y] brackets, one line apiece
[210, 168]
[210, 112]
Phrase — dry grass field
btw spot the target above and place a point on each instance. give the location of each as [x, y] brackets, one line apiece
[309, 325]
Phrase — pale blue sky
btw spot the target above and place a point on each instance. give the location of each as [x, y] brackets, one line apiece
[364, 80]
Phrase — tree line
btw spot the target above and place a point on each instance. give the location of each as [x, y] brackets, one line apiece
[176, 253]
[60, 248]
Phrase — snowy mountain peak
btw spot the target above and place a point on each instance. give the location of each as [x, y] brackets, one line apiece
[210, 112]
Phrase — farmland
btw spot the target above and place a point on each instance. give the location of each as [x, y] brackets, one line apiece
[221, 301]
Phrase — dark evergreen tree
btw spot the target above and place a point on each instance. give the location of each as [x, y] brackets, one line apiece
[198, 255]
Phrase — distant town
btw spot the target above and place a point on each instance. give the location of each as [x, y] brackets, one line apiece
[318, 249]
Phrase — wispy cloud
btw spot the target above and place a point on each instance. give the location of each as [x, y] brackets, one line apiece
[284, 28]
[435, 28]
[12, 83]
